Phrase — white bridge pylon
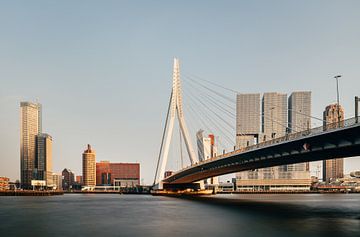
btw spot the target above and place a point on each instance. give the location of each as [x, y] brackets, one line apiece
[175, 109]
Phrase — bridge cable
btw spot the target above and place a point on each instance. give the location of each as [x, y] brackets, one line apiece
[163, 138]
[216, 104]
[200, 119]
[204, 114]
[238, 92]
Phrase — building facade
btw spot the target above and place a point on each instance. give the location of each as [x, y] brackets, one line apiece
[274, 115]
[67, 179]
[299, 120]
[79, 179]
[274, 124]
[43, 164]
[207, 150]
[247, 119]
[120, 174]
[333, 117]
[57, 181]
[89, 167]
[299, 111]
[4, 183]
[30, 127]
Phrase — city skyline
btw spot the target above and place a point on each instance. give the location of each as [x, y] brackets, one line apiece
[100, 96]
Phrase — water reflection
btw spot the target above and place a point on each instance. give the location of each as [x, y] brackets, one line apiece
[220, 215]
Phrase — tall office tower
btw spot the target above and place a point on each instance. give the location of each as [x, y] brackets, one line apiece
[333, 117]
[30, 126]
[203, 145]
[43, 164]
[274, 123]
[299, 120]
[247, 119]
[299, 111]
[206, 150]
[247, 126]
[274, 115]
[89, 167]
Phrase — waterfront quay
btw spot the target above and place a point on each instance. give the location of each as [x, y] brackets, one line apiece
[30, 193]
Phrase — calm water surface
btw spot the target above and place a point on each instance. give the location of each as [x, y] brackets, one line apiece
[220, 215]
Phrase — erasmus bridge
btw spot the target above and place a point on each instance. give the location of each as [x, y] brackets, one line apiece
[329, 141]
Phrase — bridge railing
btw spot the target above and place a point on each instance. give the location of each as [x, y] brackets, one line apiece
[288, 137]
[293, 136]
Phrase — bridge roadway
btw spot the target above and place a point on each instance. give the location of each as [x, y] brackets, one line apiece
[312, 145]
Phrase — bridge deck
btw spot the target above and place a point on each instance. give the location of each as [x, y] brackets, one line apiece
[332, 141]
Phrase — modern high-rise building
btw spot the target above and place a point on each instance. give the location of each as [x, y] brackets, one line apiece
[333, 117]
[89, 167]
[43, 164]
[30, 127]
[120, 174]
[274, 125]
[299, 120]
[299, 111]
[274, 115]
[247, 119]
[204, 146]
[206, 150]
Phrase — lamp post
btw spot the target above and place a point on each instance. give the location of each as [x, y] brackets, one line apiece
[337, 96]
[272, 123]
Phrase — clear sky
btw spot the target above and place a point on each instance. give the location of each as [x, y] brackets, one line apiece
[102, 69]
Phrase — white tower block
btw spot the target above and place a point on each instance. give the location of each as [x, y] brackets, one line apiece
[176, 109]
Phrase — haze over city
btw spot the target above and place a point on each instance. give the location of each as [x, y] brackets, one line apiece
[103, 71]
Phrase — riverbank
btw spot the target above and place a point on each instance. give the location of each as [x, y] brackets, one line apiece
[30, 193]
[285, 192]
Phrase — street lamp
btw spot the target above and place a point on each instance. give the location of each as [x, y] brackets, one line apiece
[337, 95]
[272, 123]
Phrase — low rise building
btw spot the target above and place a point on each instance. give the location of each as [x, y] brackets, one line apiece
[118, 174]
[79, 179]
[4, 183]
[57, 180]
[68, 179]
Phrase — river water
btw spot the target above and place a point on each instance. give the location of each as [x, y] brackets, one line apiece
[145, 215]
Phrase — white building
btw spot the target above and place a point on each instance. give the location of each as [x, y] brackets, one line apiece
[207, 150]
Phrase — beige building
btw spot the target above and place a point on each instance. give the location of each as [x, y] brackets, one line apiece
[207, 150]
[57, 181]
[30, 126]
[333, 118]
[89, 167]
[299, 111]
[274, 124]
[274, 115]
[4, 183]
[247, 119]
[299, 120]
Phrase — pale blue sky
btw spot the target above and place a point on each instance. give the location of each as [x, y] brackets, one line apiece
[102, 69]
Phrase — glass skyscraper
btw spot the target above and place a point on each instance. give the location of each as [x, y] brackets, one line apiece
[30, 127]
